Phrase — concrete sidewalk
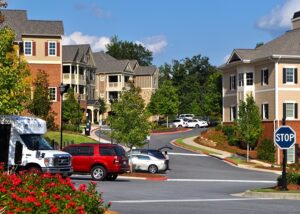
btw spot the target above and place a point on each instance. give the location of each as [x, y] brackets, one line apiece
[93, 135]
[223, 155]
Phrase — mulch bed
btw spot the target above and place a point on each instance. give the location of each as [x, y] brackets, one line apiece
[143, 175]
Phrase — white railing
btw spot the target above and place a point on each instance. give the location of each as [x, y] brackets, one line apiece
[113, 84]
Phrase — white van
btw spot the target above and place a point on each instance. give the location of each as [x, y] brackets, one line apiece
[187, 116]
[22, 146]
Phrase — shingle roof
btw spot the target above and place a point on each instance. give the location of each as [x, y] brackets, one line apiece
[145, 70]
[17, 20]
[107, 64]
[74, 53]
[287, 44]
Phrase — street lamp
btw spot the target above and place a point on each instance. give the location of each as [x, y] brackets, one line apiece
[62, 89]
[78, 99]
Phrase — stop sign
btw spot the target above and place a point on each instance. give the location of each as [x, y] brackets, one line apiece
[285, 137]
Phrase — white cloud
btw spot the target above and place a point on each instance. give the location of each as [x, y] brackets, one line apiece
[97, 43]
[155, 44]
[225, 59]
[280, 16]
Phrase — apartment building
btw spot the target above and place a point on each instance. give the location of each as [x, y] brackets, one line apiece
[113, 76]
[39, 43]
[270, 73]
[79, 74]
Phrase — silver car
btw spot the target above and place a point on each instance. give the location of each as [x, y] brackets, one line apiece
[146, 162]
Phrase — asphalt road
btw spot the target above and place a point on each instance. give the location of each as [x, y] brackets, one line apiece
[196, 184]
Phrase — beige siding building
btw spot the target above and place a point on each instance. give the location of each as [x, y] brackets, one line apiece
[270, 73]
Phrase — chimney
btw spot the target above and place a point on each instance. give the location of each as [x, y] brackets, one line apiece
[296, 20]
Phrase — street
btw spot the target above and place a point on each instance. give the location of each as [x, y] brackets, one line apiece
[196, 184]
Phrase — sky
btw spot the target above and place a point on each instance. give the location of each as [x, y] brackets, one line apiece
[171, 29]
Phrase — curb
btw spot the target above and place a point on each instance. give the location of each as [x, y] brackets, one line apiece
[171, 132]
[145, 178]
[272, 195]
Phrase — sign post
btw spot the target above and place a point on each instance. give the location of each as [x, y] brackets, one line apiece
[284, 138]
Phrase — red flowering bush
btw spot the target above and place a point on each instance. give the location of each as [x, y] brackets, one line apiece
[45, 193]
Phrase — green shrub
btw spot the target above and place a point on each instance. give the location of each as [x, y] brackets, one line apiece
[291, 178]
[266, 151]
[232, 140]
[71, 127]
[229, 130]
[219, 127]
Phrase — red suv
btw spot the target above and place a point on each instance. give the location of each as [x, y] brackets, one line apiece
[102, 161]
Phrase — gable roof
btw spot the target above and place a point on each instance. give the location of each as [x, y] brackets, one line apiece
[107, 64]
[287, 44]
[18, 21]
[75, 53]
[145, 70]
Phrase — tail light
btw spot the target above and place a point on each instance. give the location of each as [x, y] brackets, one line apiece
[116, 161]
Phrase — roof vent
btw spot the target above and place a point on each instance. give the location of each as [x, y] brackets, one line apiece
[296, 20]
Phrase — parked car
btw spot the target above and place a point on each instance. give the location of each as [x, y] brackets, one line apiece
[179, 123]
[145, 162]
[187, 116]
[101, 161]
[153, 152]
[210, 121]
[195, 123]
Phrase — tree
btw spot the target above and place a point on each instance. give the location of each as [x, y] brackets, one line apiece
[164, 101]
[2, 4]
[194, 84]
[40, 105]
[101, 105]
[248, 123]
[14, 76]
[129, 121]
[70, 109]
[129, 50]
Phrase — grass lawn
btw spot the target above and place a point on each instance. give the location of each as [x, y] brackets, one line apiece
[194, 148]
[68, 137]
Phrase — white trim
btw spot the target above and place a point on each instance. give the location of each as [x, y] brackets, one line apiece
[263, 111]
[31, 49]
[55, 54]
[44, 62]
[288, 89]
[55, 88]
[263, 75]
[265, 90]
[223, 97]
[229, 95]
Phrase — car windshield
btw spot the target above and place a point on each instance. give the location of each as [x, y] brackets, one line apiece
[32, 140]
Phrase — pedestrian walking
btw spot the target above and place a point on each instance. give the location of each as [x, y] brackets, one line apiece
[167, 160]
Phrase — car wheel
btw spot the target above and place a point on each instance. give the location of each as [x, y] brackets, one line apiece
[152, 169]
[98, 173]
[111, 177]
[180, 126]
[197, 126]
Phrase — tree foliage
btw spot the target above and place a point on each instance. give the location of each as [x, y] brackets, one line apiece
[129, 120]
[40, 105]
[102, 105]
[198, 85]
[14, 76]
[248, 123]
[164, 101]
[129, 50]
[71, 109]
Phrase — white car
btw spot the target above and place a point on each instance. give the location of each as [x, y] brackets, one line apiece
[187, 116]
[179, 123]
[146, 162]
[195, 123]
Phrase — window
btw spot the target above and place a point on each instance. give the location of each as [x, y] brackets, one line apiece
[85, 151]
[28, 48]
[265, 111]
[241, 80]
[290, 110]
[52, 93]
[264, 76]
[249, 78]
[233, 113]
[52, 48]
[107, 152]
[290, 75]
[232, 82]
